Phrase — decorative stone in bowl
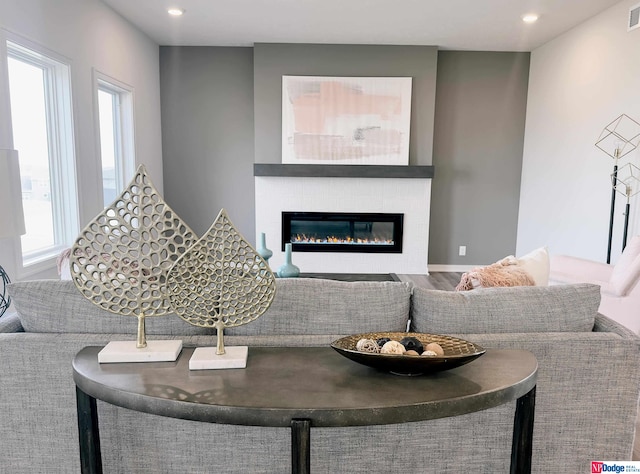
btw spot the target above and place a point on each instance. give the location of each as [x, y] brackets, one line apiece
[456, 352]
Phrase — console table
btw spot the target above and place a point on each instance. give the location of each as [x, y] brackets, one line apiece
[267, 393]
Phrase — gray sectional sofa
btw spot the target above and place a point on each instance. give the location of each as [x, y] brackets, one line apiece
[586, 405]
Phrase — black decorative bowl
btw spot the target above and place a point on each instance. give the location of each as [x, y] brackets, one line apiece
[457, 352]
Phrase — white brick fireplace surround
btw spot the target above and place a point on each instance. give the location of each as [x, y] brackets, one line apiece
[299, 192]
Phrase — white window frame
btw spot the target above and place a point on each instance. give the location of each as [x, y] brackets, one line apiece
[124, 131]
[61, 144]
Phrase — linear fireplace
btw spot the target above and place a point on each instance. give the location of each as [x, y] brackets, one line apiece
[342, 232]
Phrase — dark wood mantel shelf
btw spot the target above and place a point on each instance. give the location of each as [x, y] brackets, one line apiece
[342, 171]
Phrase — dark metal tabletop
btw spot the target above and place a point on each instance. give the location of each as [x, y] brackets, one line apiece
[316, 383]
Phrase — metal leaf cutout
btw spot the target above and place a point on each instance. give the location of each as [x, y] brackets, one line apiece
[221, 281]
[121, 259]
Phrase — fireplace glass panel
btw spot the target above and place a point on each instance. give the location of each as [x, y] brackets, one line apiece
[342, 232]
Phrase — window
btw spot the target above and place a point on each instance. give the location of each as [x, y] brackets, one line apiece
[115, 126]
[41, 119]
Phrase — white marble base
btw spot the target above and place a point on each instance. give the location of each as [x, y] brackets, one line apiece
[126, 351]
[235, 357]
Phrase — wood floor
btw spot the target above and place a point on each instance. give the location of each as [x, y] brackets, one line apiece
[434, 281]
[448, 281]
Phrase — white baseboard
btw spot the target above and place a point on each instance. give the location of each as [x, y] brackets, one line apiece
[451, 268]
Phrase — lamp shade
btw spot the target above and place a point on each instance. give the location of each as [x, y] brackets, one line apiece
[12, 222]
[626, 180]
[620, 137]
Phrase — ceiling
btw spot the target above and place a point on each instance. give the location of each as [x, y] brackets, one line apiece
[480, 25]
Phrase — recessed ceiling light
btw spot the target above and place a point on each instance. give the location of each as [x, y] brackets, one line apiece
[175, 11]
[530, 18]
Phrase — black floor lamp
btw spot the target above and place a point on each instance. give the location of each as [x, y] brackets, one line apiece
[11, 205]
[627, 183]
[618, 139]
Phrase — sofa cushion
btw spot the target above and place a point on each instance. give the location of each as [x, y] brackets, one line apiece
[55, 306]
[316, 306]
[562, 308]
[301, 306]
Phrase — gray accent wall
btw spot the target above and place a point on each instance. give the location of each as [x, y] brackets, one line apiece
[207, 134]
[221, 112]
[481, 102]
[272, 61]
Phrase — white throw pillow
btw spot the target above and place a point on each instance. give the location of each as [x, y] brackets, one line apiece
[536, 263]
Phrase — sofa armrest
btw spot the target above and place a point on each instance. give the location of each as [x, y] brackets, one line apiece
[604, 324]
[572, 399]
[565, 268]
[10, 322]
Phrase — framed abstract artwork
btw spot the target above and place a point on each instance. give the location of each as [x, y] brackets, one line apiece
[346, 120]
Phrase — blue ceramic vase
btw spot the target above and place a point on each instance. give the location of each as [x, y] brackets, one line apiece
[288, 269]
[262, 249]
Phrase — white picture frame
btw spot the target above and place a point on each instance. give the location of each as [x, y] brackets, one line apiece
[346, 120]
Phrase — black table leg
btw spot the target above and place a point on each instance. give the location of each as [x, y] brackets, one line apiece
[522, 444]
[300, 446]
[90, 456]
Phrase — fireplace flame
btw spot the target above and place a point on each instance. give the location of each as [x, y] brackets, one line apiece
[304, 239]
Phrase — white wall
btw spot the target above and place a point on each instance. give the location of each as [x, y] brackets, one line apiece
[90, 35]
[578, 83]
[411, 197]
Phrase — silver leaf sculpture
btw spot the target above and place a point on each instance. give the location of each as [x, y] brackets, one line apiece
[121, 259]
[221, 281]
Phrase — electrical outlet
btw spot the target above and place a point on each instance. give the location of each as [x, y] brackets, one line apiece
[462, 250]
